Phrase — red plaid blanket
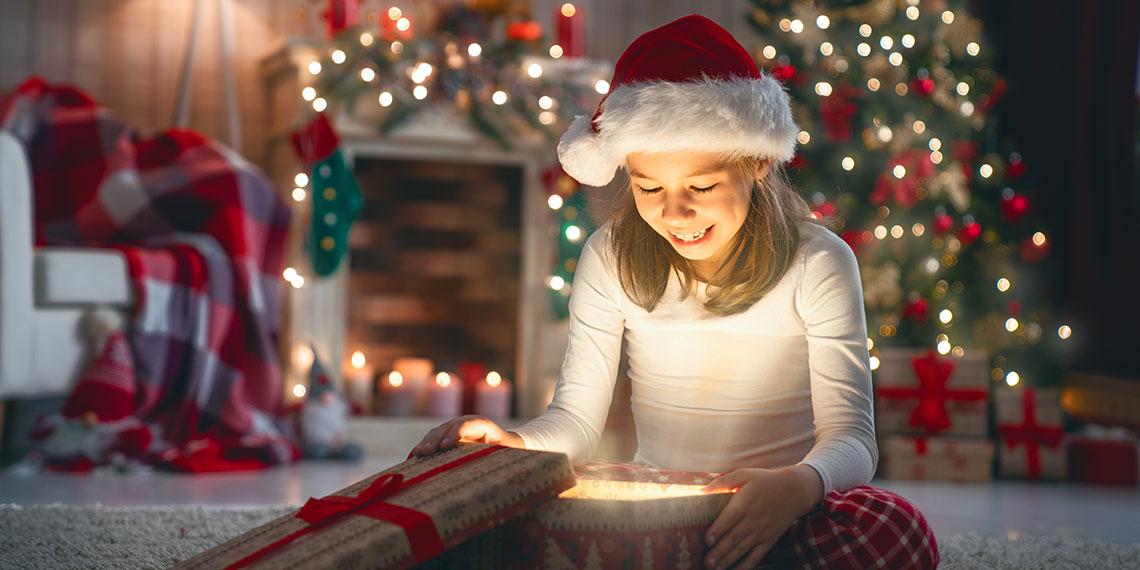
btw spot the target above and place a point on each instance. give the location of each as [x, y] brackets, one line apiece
[203, 233]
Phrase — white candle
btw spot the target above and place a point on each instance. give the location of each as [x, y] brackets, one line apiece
[396, 396]
[493, 396]
[417, 373]
[358, 382]
[445, 396]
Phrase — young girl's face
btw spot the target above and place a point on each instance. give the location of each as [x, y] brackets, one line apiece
[696, 201]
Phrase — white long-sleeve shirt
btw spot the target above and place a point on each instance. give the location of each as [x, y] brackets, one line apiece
[787, 381]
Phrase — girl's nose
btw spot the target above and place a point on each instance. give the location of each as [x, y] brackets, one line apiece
[676, 208]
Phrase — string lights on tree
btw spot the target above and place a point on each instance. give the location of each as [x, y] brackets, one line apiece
[900, 150]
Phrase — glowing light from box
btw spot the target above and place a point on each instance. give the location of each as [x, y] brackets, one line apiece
[632, 491]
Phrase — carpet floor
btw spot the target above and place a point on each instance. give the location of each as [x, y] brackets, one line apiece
[57, 536]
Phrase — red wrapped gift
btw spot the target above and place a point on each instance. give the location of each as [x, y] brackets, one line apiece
[618, 516]
[1105, 457]
[408, 514]
[919, 392]
[1032, 439]
[936, 458]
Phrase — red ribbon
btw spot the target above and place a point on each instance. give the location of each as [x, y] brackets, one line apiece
[420, 529]
[920, 446]
[1031, 434]
[933, 374]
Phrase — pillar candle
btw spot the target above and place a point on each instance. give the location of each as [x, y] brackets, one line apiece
[445, 396]
[417, 373]
[570, 29]
[396, 396]
[493, 396]
[358, 382]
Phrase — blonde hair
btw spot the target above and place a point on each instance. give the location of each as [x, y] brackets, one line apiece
[759, 254]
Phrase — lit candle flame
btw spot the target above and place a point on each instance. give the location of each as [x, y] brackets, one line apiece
[443, 379]
[358, 360]
[494, 379]
[395, 379]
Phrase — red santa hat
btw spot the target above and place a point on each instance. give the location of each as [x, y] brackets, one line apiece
[107, 389]
[688, 85]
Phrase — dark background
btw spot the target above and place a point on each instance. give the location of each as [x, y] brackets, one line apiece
[1071, 110]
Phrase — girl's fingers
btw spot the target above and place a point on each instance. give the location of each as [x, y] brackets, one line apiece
[756, 555]
[430, 442]
[451, 436]
[479, 429]
[731, 547]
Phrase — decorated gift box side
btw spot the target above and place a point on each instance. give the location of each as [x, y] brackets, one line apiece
[1031, 437]
[936, 458]
[920, 392]
[1101, 399]
[1101, 455]
[405, 515]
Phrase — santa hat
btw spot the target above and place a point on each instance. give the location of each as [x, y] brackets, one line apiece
[107, 388]
[688, 85]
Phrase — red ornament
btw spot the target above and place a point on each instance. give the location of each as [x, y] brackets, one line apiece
[824, 210]
[836, 112]
[1032, 252]
[965, 152]
[943, 223]
[339, 15]
[903, 191]
[854, 239]
[916, 310]
[527, 31]
[922, 86]
[783, 73]
[1016, 168]
[970, 232]
[570, 29]
[1014, 208]
[1014, 307]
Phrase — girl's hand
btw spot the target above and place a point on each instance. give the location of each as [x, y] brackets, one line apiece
[766, 503]
[477, 429]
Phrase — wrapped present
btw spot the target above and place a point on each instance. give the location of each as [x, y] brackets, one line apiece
[1102, 399]
[1032, 441]
[405, 515]
[936, 458]
[1105, 456]
[618, 516]
[919, 392]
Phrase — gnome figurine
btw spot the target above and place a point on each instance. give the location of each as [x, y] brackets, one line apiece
[96, 425]
[324, 419]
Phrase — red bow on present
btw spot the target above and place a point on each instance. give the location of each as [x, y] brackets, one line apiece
[932, 393]
[1031, 434]
[418, 526]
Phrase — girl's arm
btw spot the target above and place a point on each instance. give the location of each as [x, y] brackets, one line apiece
[574, 420]
[830, 299]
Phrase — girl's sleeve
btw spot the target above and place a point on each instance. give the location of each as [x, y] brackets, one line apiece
[830, 300]
[573, 422]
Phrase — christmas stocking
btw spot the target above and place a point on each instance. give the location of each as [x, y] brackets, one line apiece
[335, 194]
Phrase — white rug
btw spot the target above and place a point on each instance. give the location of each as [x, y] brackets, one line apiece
[156, 537]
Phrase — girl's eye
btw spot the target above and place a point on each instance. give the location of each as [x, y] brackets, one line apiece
[705, 189]
[654, 190]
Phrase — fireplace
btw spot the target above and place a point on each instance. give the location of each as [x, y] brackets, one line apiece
[435, 263]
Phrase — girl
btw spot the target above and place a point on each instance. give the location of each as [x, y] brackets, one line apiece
[747, 339]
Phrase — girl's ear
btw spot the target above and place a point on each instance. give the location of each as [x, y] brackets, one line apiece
[762, 168]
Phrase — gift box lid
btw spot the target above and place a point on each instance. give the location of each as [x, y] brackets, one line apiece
[896, 446]
[404, 515]
[897, 367]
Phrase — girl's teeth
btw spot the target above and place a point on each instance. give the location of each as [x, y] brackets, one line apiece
[692, 237]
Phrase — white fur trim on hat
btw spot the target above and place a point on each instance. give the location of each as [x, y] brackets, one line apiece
[735, 117]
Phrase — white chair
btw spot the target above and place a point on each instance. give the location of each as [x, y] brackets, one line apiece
[45, 292]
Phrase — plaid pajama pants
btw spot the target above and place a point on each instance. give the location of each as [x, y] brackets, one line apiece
[862, 527]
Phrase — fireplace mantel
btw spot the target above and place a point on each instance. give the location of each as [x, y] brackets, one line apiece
[317, 311]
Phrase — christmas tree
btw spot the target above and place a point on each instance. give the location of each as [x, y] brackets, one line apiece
[900, 146]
